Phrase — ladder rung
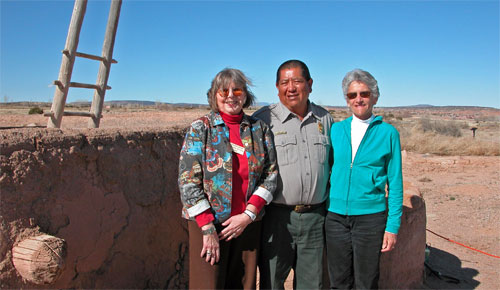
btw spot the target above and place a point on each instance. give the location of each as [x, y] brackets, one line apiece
[79, 114]
[94, 57]
[74, 114]
[78, 85]
[89, 56]
[86, 86]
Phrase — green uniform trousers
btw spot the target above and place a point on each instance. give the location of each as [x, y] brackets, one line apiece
[292, 240]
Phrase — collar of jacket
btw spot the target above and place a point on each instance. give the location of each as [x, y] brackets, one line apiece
[284, 114]
[216, 119]
[347, 124]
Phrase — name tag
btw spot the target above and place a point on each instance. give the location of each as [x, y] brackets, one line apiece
[238, 149]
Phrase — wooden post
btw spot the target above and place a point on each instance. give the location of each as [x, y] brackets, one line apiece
[473, 132]
[68, 60]
[105, 66]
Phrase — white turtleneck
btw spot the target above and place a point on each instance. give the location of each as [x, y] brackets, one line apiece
[358, 130]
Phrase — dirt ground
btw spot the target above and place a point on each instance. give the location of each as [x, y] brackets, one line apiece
[461, 194]
[462, 203]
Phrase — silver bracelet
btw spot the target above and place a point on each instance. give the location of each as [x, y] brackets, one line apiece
[208, 231]
[250, 214]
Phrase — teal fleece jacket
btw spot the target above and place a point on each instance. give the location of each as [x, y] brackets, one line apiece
[359, 187]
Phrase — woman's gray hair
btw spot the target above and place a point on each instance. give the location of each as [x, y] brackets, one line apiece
[223, 80]
[360, 76]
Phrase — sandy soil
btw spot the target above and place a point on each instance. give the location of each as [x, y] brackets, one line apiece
[462, 201]
[143, 119]
[461, 194]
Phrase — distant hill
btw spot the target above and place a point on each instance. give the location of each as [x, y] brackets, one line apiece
[422, 106]
[188, 105]
[139, 103]
[133, 102]
[432, 107]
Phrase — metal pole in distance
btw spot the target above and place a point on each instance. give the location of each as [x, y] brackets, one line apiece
[68, 60]
[105, 66]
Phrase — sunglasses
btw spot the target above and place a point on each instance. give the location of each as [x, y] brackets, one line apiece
[355, 94]
[236, 92]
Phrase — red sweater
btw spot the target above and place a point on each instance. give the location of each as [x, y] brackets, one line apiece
[240, 175]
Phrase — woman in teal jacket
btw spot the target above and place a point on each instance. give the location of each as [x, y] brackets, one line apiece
[366, 193]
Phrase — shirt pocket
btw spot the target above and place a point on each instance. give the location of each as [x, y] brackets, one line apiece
[321, 147]
[286, 149]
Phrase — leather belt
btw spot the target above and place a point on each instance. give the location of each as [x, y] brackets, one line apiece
[299, 208]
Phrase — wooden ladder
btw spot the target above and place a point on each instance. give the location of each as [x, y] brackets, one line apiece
[68, 60]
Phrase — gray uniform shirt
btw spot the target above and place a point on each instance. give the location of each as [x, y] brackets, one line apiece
[304, 153]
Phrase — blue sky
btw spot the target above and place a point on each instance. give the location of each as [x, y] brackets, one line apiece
[421, 52]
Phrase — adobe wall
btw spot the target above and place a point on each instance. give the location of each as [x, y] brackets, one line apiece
[112, 196]
[403, 267]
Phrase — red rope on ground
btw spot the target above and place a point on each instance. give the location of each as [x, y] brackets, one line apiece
[450, 240]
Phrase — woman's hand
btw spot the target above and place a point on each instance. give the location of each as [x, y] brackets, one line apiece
[389, 242]
[210, 250]
[234, 226]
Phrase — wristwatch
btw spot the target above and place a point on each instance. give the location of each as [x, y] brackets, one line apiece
[250, 214]
[208, 231]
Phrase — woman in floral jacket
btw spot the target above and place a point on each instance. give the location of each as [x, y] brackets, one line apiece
[227, 173]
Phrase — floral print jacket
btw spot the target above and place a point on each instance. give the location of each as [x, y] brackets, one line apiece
[205, 165]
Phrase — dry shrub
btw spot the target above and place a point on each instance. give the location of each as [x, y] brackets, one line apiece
[165, 107]
[340, 114]
[447, 128]
[430, 142]
[35, 110]
[442, 138]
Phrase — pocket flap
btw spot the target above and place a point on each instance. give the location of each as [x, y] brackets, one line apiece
[285, 140]
[320, 139]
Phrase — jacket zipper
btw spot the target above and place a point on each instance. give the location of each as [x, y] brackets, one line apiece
[349, 188]
[352, 162]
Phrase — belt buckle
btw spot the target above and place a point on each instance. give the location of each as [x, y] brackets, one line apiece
[300, 208]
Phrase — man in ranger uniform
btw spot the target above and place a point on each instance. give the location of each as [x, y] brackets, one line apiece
[292, 230]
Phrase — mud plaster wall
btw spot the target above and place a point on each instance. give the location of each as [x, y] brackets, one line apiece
[113, 196]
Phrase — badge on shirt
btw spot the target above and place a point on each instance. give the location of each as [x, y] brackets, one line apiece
[237, 148]
[321, 128]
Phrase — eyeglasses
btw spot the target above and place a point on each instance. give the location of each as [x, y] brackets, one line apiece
[236, 92]
[353, 95]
